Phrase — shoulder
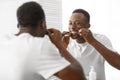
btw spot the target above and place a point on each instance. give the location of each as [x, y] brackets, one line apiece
[6, 37]
[104, 40]
[101, 38]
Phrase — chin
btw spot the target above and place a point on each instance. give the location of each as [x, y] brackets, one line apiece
[74, 37]
[78, 37]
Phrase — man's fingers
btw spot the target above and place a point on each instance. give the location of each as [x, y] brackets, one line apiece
[83, 32]
[51, 30]
[65, 33]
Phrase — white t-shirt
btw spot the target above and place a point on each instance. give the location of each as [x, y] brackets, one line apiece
[88, 56]
[25, 57]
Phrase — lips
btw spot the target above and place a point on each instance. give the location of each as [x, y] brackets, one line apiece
[74, 34]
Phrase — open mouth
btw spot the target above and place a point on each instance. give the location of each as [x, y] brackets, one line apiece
[74, 34]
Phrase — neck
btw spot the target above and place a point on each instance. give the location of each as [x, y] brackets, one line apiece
[25, 30]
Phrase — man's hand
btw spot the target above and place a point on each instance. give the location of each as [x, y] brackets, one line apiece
[65, 38]
[87, 35]
[55, 36]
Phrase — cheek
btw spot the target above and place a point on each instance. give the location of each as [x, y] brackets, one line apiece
[69, 28]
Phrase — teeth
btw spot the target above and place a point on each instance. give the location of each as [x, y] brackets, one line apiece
[73, 32]
[66, 35]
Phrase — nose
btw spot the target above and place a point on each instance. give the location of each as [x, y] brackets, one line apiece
[73, 26]
[76, 27]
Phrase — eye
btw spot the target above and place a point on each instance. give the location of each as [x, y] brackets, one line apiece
[77, 23]
[70, 23]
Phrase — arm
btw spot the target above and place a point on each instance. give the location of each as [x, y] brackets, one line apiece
[111, 57]
[72, 72]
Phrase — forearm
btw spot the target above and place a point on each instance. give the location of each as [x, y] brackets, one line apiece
[68, 56]
[111, 57]
[75, 64]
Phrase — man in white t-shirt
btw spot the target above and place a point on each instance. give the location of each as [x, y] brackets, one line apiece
[88, 48]
[31, 55]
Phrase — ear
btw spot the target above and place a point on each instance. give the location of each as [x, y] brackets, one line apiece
[42, 25]
[88, 25]
[17, 25]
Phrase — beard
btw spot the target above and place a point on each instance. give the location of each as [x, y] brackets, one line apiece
[74, 35]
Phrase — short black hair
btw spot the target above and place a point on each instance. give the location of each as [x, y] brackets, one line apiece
[86, 14]
[30, 14]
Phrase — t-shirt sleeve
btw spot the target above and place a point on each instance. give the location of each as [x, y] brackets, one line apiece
[51, 61]
[107, 43]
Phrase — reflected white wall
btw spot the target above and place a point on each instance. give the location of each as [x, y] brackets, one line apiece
[53, 11]
[105, 15]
